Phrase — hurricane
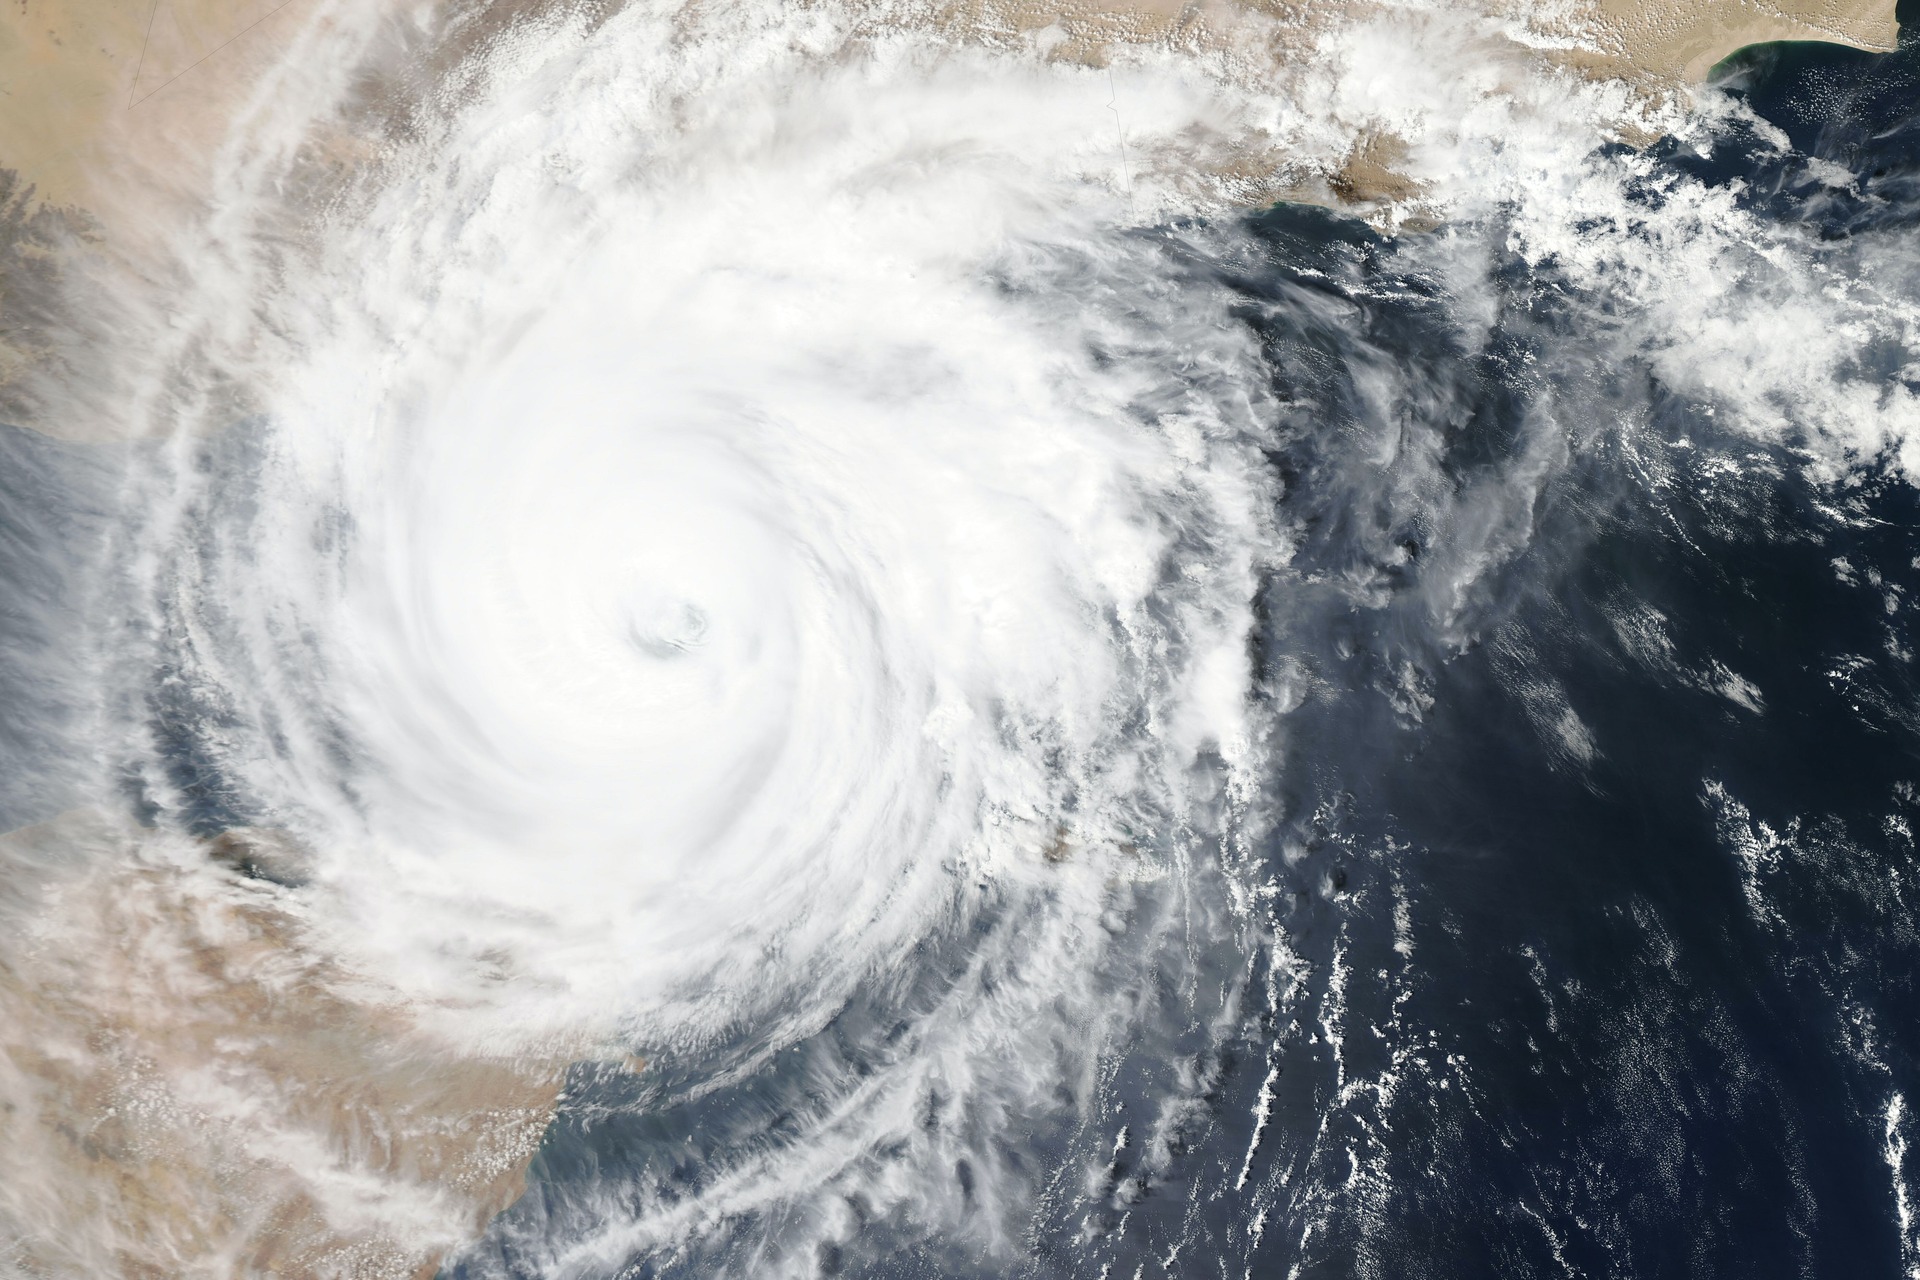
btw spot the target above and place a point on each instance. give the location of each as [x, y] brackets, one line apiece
[728, 639]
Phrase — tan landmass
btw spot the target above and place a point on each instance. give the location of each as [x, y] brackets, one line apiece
[188, 1089]
[111, 112]
[107, 104]
[97, 94]
[1682, 40]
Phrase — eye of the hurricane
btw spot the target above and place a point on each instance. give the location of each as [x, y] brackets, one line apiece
[667, 628]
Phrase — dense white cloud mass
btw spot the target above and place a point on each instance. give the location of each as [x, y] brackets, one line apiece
[703, 527]
[721, 524]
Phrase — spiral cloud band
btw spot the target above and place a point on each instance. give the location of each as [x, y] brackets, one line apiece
[718, 532]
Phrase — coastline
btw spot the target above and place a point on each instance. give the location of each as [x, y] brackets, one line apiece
[1659, 42]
